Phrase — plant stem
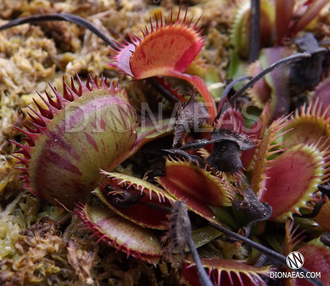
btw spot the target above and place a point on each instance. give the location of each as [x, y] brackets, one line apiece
[203, 277]
[63, 17]
[255, 30]
[227, 90]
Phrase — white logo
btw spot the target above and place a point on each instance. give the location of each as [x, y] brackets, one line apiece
[295, 260]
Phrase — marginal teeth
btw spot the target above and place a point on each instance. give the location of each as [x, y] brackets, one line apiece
[127, 183]
[309, 125]
[122, 182]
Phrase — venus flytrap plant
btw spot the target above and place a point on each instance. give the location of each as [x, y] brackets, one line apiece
[305, 152]
[197, 186]
[302, 168]
[149, 56]
[148, 205]
[120, 233]
[55, 145]
[130, 209]
[94, 117]
[130, 213]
